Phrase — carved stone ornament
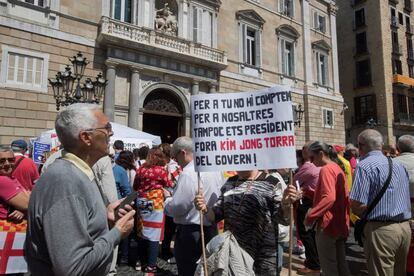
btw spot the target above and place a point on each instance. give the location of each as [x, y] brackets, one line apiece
[161, 105]
[166, 21]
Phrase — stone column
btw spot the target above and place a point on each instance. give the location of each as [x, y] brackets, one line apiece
[109, 98]
[335, 69]
[134, 92]
[307, 47]
[195, 88]
[212, 88]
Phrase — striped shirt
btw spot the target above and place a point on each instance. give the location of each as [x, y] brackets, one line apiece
[370, 175]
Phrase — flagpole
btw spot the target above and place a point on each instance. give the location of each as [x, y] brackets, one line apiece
[203, 246]
[290, 226]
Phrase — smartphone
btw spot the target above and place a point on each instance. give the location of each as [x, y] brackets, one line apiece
[130, 198]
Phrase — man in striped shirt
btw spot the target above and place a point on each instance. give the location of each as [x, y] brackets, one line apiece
[387, 232]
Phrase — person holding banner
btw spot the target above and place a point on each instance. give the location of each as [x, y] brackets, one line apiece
[252, 207]
[179, 205]
[330, 210]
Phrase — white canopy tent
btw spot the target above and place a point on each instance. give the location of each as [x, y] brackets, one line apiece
[132, 138]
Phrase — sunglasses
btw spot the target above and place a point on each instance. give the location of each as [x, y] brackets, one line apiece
[9, 160]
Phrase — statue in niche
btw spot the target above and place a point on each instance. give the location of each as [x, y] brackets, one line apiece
[166, 21]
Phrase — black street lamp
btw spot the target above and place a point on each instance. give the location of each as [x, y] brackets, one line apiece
[298, 115]
[63, 85]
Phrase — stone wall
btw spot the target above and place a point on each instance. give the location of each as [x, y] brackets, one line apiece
[25, 113]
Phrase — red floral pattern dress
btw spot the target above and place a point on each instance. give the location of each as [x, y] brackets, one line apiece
[149, 182]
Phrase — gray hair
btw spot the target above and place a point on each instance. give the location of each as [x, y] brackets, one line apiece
[371, 138]
[182, 143]
[350, 146]
[406, 143]
[72, 120]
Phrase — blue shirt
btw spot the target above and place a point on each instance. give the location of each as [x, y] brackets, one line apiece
[121, 179]
[370, 175]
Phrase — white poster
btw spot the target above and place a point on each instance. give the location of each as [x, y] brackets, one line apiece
[243, 131]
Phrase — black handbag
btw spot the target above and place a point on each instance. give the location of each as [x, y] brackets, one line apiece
[360, 223]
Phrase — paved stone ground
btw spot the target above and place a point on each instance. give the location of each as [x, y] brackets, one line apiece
[355, 259]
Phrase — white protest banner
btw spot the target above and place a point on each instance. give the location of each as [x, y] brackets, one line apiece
[243, 131]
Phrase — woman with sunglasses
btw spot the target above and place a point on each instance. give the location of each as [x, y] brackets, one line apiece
[330, 210]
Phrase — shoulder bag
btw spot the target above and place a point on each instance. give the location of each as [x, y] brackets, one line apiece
[360, 223]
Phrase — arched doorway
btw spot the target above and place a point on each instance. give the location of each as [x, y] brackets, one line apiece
[163, 115]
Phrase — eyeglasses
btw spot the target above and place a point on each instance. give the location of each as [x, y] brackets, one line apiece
[9, 160]
[107, 127]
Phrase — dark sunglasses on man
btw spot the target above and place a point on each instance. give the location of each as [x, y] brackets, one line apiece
[10, 160]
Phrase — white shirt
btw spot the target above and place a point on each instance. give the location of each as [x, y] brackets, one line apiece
[181, 205]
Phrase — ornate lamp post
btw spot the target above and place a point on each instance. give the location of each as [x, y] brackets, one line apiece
[299, 110]
[66, 93]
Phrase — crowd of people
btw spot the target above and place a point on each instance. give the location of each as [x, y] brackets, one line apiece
[78, 224]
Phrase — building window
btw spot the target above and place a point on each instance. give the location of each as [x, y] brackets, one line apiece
[410, 52]
[328, 118]
[410, 70]
[360, 18]
[402, 104]
[24, 69]
[400, 18]
[251, 45]
[203, 26]
[39, 3]
[363, 73]
[361, 43]
[322, 68]
[288, 57]
[365, 108]
[319, 22]
[396, 66]
[250, 35]
[286, 7]
[121, 10]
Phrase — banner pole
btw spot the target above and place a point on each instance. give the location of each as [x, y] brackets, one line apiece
[203, 245]
[290, 226]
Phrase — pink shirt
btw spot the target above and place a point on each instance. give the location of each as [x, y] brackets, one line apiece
[9, 188]
[308, 175]
[331, 202]
[26, 172]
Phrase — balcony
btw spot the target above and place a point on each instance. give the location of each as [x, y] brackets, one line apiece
[404, 118]
[408, 6]
[360, 50]
[145, 39]
[402, 80]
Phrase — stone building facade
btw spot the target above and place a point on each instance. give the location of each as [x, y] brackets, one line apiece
[155, 54]
[376, 61]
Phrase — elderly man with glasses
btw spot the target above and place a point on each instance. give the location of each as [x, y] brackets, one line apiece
[68, 231]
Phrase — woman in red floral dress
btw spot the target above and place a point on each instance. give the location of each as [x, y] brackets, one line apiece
[149, 182]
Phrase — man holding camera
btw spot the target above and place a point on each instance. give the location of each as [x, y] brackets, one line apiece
[68, 230]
